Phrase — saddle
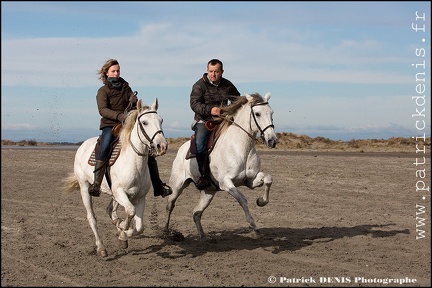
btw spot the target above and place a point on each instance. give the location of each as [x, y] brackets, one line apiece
[115, 147]
[213, 126]
[113, 154]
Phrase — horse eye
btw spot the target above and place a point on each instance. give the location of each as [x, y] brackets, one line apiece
[258, 114]
[144, 123]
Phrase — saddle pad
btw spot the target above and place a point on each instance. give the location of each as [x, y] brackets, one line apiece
[211, 141]
[114, 155]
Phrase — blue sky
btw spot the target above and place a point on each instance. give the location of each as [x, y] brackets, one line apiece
[340, 70]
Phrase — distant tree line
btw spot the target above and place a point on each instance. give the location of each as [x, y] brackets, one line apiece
[20, 143]
[35, 143]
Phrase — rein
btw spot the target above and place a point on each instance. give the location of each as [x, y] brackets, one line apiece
[256, 122]
[232, 122]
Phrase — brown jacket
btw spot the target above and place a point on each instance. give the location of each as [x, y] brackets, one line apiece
[205, 95]
[112, 102]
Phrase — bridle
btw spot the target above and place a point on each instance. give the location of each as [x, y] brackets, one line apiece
[256, 123]
[150, 144]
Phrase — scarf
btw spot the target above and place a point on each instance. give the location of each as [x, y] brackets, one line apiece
[115, 81]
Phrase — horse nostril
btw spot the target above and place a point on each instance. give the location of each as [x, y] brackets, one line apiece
[272, 143]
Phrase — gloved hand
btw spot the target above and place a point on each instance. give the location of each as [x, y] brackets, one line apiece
[133, 98]
[121, 117]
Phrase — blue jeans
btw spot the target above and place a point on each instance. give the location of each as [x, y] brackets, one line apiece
[201, 136]
[105, 143]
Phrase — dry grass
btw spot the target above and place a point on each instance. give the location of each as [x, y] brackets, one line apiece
[290, 141]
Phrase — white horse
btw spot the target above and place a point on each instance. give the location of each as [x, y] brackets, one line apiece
[140, 136]
[233, 161]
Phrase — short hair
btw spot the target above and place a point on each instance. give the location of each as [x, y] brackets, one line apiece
[214, 62]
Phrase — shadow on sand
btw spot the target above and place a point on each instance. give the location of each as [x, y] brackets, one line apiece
[275, 240]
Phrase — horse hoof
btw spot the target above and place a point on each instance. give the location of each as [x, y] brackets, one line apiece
[209, 239]
[103, 253]
[123, 244]
[123, 240]
[173, 235]
[260, 202]
[256, 234]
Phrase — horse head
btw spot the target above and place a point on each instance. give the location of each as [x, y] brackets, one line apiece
[150, 123]
[262, 114]
[148, 126]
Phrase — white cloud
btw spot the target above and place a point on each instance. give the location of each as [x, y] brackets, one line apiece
[168, 54]
[18, 126]
[285, 48]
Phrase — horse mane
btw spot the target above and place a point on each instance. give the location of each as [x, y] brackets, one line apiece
[130, 122]
[127, 127]
[228, 112]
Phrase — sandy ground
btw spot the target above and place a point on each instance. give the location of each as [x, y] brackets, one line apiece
[334, 219]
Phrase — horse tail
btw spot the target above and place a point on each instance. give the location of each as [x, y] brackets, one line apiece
[70, 183]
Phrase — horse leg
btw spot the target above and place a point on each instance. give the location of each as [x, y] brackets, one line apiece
[139, 218]
[112, 211]
[205, 199]
[124, 226]
[91, 218]
[171, 200]
[260, 180]
[241, 199]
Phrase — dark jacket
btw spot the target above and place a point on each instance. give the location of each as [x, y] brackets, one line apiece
[205, 95]
[112, 102]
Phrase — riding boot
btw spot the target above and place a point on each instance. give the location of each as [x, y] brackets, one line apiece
[203, 182]
[159, 188]
[99, 172]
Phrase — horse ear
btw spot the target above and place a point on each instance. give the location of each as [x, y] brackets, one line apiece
[139, 104]
[155, 105]
[267, 96]
[249, 97]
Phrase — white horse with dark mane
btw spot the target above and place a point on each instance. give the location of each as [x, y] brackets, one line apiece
[233, 160]
[140, 136]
